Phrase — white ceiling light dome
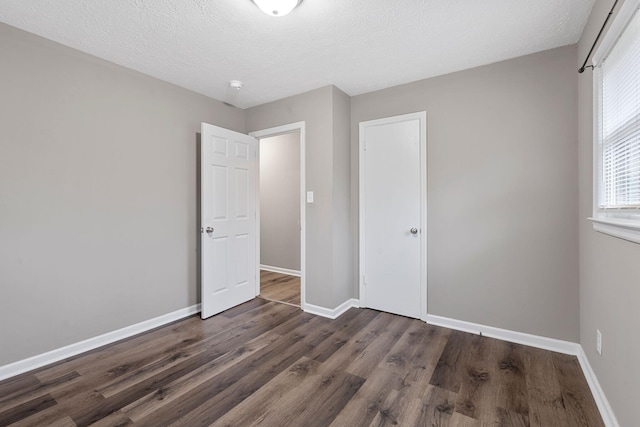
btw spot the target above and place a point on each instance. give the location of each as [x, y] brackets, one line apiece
[277, 7]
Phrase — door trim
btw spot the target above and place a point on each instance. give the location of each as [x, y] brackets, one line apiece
[274, 131]
[422, 117]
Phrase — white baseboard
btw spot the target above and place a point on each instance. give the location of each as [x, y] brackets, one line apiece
[56, 355]
[606, 411]
[280, 270]
[332, 313]
[565, 347]
[552, 344]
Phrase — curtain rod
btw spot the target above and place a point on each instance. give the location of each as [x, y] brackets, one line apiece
[581, 70]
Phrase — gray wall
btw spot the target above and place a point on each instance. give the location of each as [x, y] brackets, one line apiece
[318, 109]
[502, 190]
[280, 201]
[343, 268]
[98, 211]
[609, 267]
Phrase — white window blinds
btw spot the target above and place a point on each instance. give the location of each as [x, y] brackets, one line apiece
[620, 122]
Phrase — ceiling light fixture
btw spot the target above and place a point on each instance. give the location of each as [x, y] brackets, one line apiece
[277, 7]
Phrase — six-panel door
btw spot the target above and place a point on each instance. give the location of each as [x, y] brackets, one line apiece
[228, 192]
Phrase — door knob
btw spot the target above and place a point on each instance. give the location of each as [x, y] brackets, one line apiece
[414, 230]
[209, 229]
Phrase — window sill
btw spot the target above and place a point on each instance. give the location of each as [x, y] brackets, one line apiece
[623, 229]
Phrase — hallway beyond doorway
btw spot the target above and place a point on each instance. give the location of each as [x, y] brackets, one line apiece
[280, 287]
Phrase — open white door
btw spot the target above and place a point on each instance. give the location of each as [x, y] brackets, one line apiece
[228, 201]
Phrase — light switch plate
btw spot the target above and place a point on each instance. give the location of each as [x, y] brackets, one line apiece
[309, 196]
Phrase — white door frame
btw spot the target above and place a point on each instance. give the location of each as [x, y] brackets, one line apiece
[422, 117]
[266, 133]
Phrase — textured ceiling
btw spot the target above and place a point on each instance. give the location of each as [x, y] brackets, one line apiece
[357, 45]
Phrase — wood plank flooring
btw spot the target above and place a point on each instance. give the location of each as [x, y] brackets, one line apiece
[280, 287]
[270, 364]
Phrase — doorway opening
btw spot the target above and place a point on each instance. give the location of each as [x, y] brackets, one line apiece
[281, 214]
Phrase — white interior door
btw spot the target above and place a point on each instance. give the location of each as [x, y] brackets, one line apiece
[393, 214]
[228, 202]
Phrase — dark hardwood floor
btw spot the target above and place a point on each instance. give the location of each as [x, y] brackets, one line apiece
[265, 363]
[280, 287]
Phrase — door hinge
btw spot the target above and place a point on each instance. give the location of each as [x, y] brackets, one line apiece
[364, 280]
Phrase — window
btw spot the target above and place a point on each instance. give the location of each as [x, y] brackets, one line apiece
[617, 130]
